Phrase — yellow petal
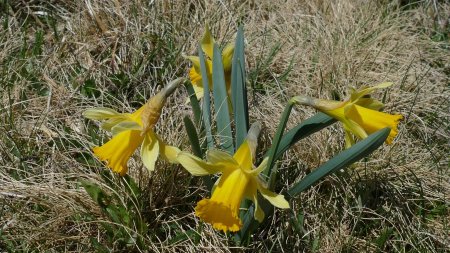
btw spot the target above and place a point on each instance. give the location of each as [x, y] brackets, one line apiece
[118, 150]
[373, 121]
[150, 151]
[197, 81]
[207, 43]
[110, 123]
[100, 113]
[370, 103]
[352, 125]
[262, 166]
[125, 126]
[197, 166]
[349, 141]
[169, 153]
[199, 91]
[362, 92]
[277, 200]
[196, 77]
[215, 184]
[337, 113]
[328, 106]
[252, 194]
[136, 116]
[244, 156]
[227, 57]
[218, 215]
[195, 63]
[222, 210]
[218, 156]
[259, 213]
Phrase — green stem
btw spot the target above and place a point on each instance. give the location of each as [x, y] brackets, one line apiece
[276, 141]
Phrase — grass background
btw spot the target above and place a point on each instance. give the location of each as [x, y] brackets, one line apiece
[58, 58]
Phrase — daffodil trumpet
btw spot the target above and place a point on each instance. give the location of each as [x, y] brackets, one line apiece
[131, 130]
[239, 180]
[207, 45]
[360, 115]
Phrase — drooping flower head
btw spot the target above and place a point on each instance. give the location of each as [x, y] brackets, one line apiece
[359, 114]
[207, 44]
[133, 130]
[239, 180]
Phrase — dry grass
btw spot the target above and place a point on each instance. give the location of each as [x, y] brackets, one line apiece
[58, 58]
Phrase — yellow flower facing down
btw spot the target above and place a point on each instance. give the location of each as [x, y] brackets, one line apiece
[207, 44]
[359, 114]
[239, 180]
[133, 130]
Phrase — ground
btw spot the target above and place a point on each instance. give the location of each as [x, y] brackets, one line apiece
[58, 58]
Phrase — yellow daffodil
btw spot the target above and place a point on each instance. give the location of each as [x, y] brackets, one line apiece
[239, 180]
[207, 44]
[133, 130]
[359, 114]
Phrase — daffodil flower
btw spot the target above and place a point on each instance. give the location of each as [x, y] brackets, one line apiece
[133, 130]
[207, 44]
[359, 114]
[239, 180]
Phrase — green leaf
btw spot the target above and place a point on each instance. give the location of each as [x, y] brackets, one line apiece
[383, 238]
[238, 89]
[196, 149]
[343, 159]
[132, 187]
[313, 124]
[249, 223]
[221, 103]
[206, 106]
[302, 130]
[89, 89]
[114, 214]
[194, 102]
[193, 137]
[96, 193]
[181, 236]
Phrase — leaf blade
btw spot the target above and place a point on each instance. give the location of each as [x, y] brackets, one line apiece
[192, 136]
[221, 103]
[194, 102]
[343, 159]
[206, 106]
[238, 89]
[303, 130]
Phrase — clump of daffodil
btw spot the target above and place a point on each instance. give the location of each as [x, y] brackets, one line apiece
[207, 44]
[131, 130]
[239, 180]
[359, 114]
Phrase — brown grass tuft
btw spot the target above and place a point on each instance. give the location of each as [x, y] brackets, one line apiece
[58, 58]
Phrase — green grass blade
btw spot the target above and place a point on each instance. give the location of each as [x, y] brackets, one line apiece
[193, 137]
[238, 89]
[221, 103]
[194, 102]
[206, 106]
[303, 130]
[343, 159]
